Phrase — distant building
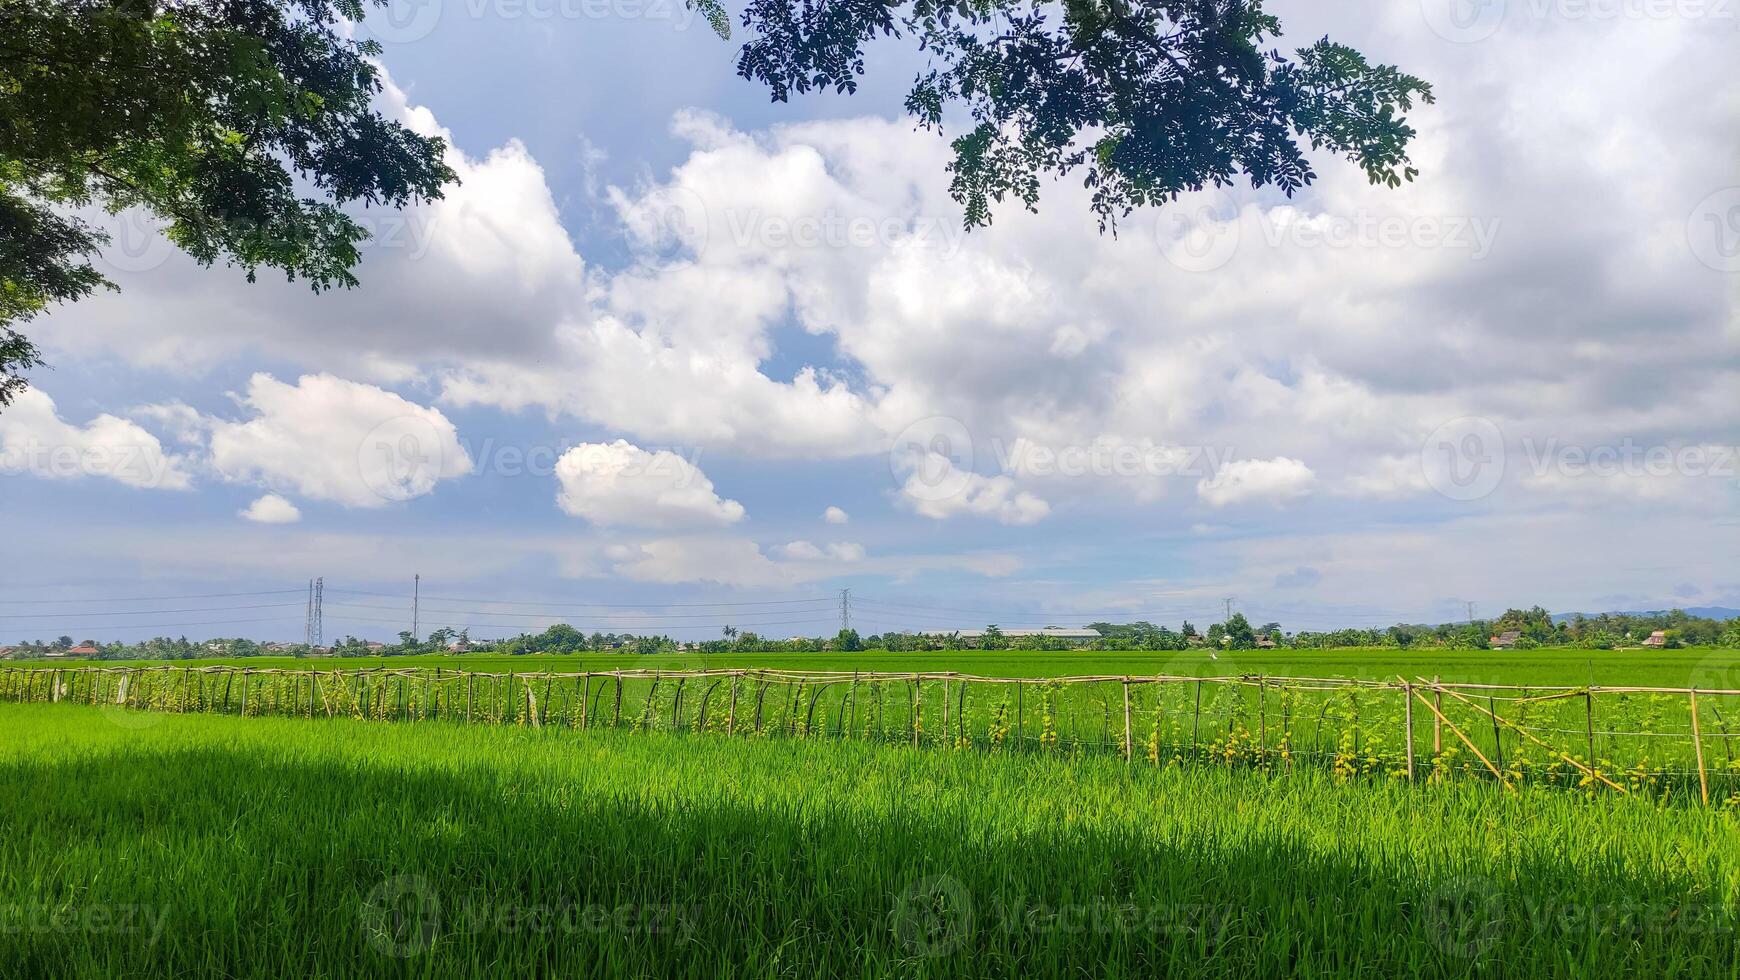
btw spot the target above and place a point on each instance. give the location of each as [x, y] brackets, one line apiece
[1073, 637]
[1506, 640]
[82, 650]
[373, 647]
[1265, 642]
[1656, 639]
[7, 653]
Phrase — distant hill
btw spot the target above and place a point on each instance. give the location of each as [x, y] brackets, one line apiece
[1707, 612]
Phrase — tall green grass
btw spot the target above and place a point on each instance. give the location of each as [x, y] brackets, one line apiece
[147, 844]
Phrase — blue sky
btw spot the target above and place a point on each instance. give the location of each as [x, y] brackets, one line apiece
[1514, 381]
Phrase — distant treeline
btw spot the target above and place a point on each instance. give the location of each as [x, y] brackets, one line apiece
[1535, 628]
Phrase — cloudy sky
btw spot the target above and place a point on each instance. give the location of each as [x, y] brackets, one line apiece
[675, 356]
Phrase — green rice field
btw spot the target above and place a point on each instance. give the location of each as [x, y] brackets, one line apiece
[149, 843]
[1704, 667]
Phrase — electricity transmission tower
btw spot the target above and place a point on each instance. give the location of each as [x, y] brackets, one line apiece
[313, 629]
[845, 609]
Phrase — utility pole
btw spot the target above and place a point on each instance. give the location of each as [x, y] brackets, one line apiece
[1471, 613]
[416, 598]
[845, 609]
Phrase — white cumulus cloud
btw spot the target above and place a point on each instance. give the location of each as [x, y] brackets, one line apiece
[272, 509]
[35, 440]
[621, 483]
[1246, 480]
[327, 438]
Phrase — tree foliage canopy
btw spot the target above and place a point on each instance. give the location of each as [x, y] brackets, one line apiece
[1149, 98]
[245, 124]
[249, 125]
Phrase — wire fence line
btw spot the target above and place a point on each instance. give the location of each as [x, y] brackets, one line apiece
[1670, 742]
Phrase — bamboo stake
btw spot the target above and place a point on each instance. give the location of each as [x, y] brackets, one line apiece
[917, 701]
[1196, 717]
[1408, 725]
[1262, 720]
[1698, 743]
[1437, 726]
[1126, 719]
[852, 699]
[1466, 741]
[1525, 733]
[731, 713]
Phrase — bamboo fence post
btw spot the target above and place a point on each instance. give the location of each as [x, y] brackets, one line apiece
[945, 731]
[1408, 725]
[1698, 744]
[470, 689]
[961, 713]
[852, 699]
[532, 707]
[731, 712]
[585, 689]
[1196, 717]
[1497, 744]
[1020, 713]
[1127, 742]
[1468, 742]
[917, 703]
[1262, 719]
[1437, 726]
[1589, 720]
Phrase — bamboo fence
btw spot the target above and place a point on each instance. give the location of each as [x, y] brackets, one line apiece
[1624, 740]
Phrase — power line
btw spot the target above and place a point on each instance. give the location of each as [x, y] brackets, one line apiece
[712, 617]
[177, 626]
[595, 628]
[160, 598]
[150, 612]
[595, 605]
